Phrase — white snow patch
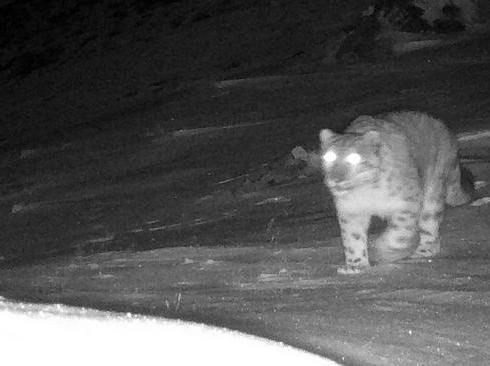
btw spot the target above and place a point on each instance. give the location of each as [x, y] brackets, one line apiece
[203, 130]
[265, 277]
[479, 184]
[250, 81]
[104, 276]
[278, 199]
[128, 339]
[196, 222]
[473, 135]
[481, 201]
[101, 239]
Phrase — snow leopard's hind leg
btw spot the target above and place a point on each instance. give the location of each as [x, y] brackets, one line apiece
[443, 185]
[432, 213]
[400, 237]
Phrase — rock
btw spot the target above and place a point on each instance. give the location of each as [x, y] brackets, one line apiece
[299, 153]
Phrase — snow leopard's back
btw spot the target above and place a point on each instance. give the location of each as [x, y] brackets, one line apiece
[426, 141]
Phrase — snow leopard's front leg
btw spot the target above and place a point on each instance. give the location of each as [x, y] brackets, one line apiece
[354, 229]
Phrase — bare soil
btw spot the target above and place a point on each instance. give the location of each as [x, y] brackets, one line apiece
[205, 222]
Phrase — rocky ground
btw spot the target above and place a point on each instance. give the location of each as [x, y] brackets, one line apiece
[195, 203]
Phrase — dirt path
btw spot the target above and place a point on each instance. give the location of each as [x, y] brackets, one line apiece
[251, 256]
[432, 312]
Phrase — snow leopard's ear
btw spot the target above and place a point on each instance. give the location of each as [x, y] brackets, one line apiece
[325, 136]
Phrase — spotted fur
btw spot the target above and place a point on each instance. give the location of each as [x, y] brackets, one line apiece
[402, 167]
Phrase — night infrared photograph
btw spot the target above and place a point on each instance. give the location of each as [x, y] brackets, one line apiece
[245, 182]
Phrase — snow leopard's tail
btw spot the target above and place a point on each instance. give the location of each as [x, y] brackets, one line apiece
[460, 186]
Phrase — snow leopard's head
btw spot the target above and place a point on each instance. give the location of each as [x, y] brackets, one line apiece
[350, 160]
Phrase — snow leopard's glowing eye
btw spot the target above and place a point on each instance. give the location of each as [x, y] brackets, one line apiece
[329, 156]
[353, 158]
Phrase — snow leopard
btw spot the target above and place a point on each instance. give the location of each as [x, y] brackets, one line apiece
[402, 167]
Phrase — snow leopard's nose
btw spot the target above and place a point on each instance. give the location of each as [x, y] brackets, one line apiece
[338, 173]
